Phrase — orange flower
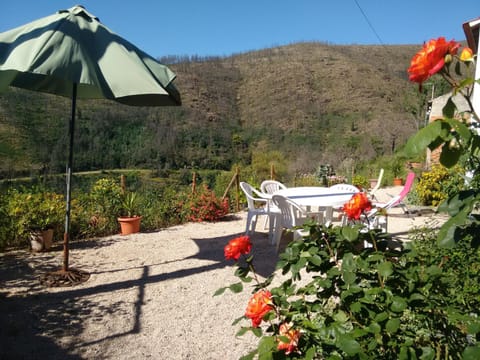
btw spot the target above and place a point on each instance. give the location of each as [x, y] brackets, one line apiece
[467, 54]
[236, 247]
[356, 205]
[431, 59]
[259, 305]
[293, 337]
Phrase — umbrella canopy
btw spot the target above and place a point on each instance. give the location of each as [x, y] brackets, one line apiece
[72, 54]
[73, 47]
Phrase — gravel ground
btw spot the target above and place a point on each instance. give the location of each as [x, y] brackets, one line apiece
[149, 296]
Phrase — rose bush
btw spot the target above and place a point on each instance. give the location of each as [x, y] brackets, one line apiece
[452, 133]
[340, 299]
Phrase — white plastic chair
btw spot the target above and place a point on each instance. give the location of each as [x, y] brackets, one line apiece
[254, 198]
[291, 215]
[377, 186]
[270, 187]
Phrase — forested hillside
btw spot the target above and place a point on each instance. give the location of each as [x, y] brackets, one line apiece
[313, 103]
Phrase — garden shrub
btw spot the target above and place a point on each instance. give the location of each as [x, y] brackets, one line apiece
[204, 205]
[32, 209]
[340, 300]
[361, 182]
[438, 184]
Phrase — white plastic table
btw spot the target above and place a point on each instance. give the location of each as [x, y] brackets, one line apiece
[322, 197]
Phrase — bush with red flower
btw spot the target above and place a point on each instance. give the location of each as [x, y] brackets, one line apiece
[452, 134]
[206, 206]
[339, 300]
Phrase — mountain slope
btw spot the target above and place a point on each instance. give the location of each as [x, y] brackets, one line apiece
[313, 102]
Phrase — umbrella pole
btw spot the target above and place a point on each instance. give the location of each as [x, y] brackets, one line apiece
[71, 130]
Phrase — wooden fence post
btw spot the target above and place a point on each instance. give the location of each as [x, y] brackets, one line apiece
[123, 184]
[272, 171]
[237, 183]
[194, 182]
[234, 180]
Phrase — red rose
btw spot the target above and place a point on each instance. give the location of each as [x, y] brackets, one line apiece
[357, 205]
[236, 247]
[259, 305]
[293, 337]
[431, 59]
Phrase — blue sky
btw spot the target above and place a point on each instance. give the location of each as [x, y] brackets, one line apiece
[223, 27]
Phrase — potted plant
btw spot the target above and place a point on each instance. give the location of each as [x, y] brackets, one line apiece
[360, 182]
[129, 218]
[35, 216]
[397, 167]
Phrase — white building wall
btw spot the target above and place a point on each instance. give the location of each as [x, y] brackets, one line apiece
[476, 87]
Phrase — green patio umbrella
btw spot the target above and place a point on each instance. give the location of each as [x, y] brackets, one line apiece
[72, 54]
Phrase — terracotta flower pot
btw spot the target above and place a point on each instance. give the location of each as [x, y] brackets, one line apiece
[397, 182]
[129, 225]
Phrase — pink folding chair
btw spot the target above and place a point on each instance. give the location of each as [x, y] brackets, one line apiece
[398, 200]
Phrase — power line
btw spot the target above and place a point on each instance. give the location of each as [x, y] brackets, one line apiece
[368, 22]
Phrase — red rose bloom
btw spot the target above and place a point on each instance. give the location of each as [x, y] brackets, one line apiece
[293, 337]
[431, 59]
[357, 205]
[259, 304]
[236, 247]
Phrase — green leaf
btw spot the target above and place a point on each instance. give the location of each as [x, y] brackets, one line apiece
[385, 268]
[265, 348]
[249, 356]
[458, 69]
[220, 291]
[348, 262]
[392, 325]
[341, 317]
[449, 108]
[242, 331]
[356, 307]
[427, 353]
[256, 331]
[315, 260]
[349, 345]
[434, 270]
[398, 304]
[462, 129]
[458, 202]
[310, 353]
[242, 271]
[381, 316]
[447, 235]
[473, 328]
[349, 277]
[349, 233]
[374, 328]
[428, 135]
[236, 288]
[449, 157]
[237, 320]
[416, 296]
[471, 353]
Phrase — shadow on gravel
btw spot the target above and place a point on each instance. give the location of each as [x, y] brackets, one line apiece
[37, 323]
